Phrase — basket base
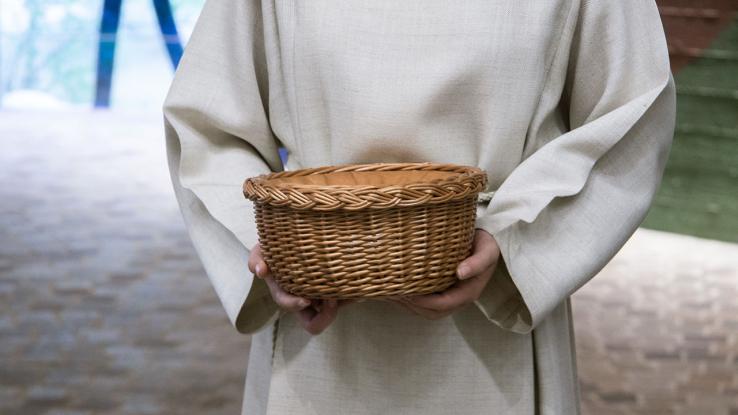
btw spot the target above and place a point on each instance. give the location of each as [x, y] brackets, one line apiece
[370, 292]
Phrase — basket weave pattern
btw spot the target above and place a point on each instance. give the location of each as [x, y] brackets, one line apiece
[364, 241]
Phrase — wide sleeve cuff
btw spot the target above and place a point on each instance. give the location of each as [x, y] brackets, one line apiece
[502, 304]
[246, 299]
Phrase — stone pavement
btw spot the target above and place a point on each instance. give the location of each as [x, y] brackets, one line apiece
[657, 330]
[104, 307]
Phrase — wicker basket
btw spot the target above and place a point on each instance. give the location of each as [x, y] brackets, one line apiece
[366, 230]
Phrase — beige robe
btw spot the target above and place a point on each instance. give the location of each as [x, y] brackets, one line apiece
[568, 106]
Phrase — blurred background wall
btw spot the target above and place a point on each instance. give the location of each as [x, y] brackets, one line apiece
[104, 307]
[55, 52]
[699, 195]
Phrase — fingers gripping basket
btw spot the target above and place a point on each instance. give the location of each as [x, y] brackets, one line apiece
[366, 230]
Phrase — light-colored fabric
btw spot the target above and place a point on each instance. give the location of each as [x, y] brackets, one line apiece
[567, 105]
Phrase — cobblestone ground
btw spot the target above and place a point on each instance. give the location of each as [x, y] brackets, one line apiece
[105, 309]
[657, 330]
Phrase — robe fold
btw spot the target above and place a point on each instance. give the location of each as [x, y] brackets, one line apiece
[568, 106]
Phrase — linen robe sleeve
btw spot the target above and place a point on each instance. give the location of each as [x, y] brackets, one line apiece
[218, 134]
[594, 158]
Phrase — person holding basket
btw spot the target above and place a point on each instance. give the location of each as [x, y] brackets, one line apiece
[567, 105]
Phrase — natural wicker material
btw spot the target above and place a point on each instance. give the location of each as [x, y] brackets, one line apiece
[366, 230]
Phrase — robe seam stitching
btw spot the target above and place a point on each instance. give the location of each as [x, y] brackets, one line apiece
[275, 334]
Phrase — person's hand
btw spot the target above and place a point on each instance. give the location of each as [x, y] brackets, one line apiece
[474, 273]
[314, 315]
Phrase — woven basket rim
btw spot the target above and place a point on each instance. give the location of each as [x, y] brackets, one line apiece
[469, 181]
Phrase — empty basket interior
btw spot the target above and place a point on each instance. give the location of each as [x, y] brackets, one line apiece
[365, 178]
